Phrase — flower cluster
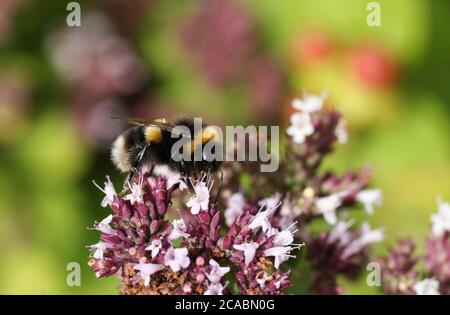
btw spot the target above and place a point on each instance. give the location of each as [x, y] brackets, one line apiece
[398, 274]
[187, 255]
[339, 252]
[400, 267]
[239, 241]
[307, 194]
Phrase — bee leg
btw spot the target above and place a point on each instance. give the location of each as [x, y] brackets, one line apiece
[128, 180]
[130, 176]
[140, 156]
[136, 164]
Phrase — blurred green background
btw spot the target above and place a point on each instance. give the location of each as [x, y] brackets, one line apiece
[230, 62]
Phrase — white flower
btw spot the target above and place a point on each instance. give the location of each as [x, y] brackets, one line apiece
[263, 279]
[178, 229]
[284, 238]
[216, 272]
[283, 245]
[341, 131]
[371, 198]
[177, 258]
[109, 191]
[249, 250]
[214, 289]
[428, 286]
[301, 127]
[367, 237]
[155, 246]
[200, 200]
[235, 207]
[286, 210]
[279, 281]
[104, 226]
[99, 249]
[270, 202]
[174, 179]
[146, 270]
[310, 103]
[136, 194]
[286, 214]
[441, 219]
[328, 205]
[340, 233]
[261, 219]
[281, 254]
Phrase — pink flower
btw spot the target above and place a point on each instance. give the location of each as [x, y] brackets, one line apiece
[283, 246]
[178, 229]
[216, 272]
[214, 289]
[136, 193]
[235, 207]
[367, 237]
[174, 179]
[104, 226]
[371, 198]
[301, 127]
[249, 250]
[427, 287]
[270, 202]
[328, 206]
[261, 219]
[200, 201]
[341, 131]
[263, 279]
[177, 258]
[109, 192]
[310, 103]
[146, 270]
[99, 249]
[281, 254]
[339, 233]
[155, 246]
[441, 219]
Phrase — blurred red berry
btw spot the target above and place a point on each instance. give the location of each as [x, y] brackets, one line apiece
[311, 47]
[373, 66]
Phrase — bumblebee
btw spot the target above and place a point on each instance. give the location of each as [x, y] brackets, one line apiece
[150, 142]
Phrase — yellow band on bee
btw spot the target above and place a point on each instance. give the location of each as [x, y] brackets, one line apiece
[204, 136]
[153, 134]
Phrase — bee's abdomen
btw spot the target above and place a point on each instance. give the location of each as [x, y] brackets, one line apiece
[125, 147]
[120, 155]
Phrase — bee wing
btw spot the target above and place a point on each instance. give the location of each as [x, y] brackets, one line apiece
[155, 123]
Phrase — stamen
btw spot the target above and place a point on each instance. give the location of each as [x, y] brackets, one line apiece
[96, 185]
